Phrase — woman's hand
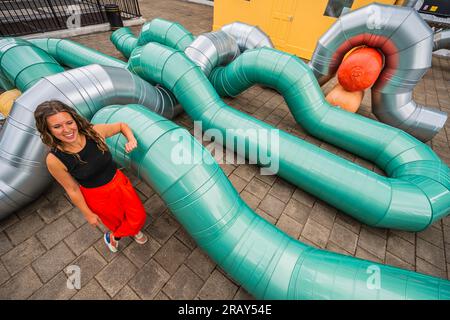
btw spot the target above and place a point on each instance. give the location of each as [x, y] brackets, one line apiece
[130, 145]
[93, 219]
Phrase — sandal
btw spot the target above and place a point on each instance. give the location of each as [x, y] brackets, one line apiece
[140, 238]
[112, 245]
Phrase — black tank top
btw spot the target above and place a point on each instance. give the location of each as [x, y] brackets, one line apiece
[97, 169]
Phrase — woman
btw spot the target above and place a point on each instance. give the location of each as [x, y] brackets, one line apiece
[80, 161]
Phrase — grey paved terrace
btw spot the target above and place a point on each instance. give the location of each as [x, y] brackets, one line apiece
[39, 242]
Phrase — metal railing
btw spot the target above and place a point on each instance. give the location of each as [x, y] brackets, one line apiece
[21, 17]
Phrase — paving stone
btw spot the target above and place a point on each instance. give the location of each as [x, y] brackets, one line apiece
[372, 243]
[228, 169]
[266, 216]
[172, 255]
[258, 188]
[155, 207]
[21, 286]
[402, 249]
[364, 254]
[90, 263]
[344, 238]
[348, 222]
[55, 289]
[246, 171]
[31, 208]
[24, 229]
[323, 214]
[251, 200]
[163, 228]
[200, 263]
[22, 255]
[76, 217]
[397, 262]
[316, 233]
[145, 189]
[331, 246]
[238, 183]
[433, 235]
[282, 190]
[83, 238]
[431, 253]
[107, 254]
[267, 178]
[298, 211]
[408, 236]
[140, 254]
[92, 291]
[54, 209]
[242, 294]
[161, 296]
[126, 294]
[290, 226]
[272, 206]
[55, 232]
[304, 197]
[53, 261]
[425, 267]
[116, 274]
[5, 244]
[446, 231]
[184, 284]
[218, 287]
[8, 222]
[185, 238]
[4, 274]
[54, 192]
[149, 280]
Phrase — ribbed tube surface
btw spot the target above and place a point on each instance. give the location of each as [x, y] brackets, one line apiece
[75, 55]
[415, 196]
[407, 44]
[264, 260]
[247, 36]
[23, 173]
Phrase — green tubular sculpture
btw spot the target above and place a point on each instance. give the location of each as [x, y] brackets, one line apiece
[24, 64]
[75, 55]
[4, 82]
[124, 40]
[266, 261]
[414, 196]
[158, 30]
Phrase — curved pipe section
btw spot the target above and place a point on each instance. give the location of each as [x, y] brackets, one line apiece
[416, 195]
[75, 55]
[23, 173]
[441, 40]
[24, 64]
[4, 82]
[124, 40]
[247, 36]
[212, 49]
[406, 42]
[268, 263]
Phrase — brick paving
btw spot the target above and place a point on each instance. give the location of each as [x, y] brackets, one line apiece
[39, 242]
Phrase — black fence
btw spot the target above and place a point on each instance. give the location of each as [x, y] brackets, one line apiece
[21, 17]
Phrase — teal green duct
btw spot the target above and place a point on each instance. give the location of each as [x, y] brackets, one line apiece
[24, 64]
[124, 40]
[158, 30]
[264, 260]
[75, 55]
[4, 82]
[414, 196]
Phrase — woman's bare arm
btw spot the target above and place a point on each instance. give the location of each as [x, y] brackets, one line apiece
[59, 172]
[111, 129]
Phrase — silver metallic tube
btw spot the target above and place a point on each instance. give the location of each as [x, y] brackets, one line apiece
[441, 40]
[247, 36]
[23, 173]
[212, 49]
[406, 42]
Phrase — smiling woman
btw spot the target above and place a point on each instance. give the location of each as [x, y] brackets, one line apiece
[80, 161]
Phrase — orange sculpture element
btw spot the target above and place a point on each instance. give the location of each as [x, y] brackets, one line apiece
[7, 99]
[360, 69]
[347, 100]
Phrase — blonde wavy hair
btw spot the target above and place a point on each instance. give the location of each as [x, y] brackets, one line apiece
[52, 107]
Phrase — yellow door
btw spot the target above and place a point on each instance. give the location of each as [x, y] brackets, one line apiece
[283, 12]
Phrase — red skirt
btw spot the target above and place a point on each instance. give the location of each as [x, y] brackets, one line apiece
[117, 205]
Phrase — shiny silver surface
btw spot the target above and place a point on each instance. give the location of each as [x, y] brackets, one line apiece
[407, 44]
[247, 36]
[442, 40]
[212, 49]
[23, 173]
